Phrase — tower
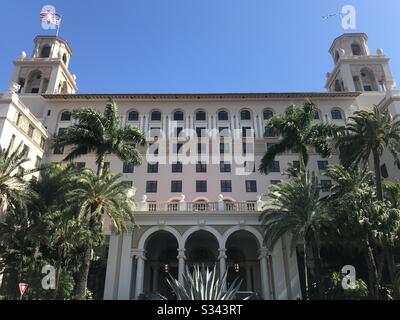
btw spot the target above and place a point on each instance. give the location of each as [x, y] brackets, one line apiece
[46, 71]
[355, 68]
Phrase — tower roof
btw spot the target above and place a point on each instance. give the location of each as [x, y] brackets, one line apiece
[348, 35]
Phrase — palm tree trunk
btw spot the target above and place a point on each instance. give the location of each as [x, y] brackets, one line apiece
[378, 176]
[305, 268]
[372, 271]
[81, 285]
[391, 264]
[100, 164]
[317, 269]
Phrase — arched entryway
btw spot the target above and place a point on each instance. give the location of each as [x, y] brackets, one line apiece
[161, 260]
[242, 250]
[201, 249]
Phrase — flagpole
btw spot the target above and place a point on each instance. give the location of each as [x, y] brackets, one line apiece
[58, 26]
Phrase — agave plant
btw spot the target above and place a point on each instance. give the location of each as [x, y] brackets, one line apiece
[203, 284]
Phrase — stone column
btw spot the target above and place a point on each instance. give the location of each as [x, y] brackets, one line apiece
[255, 118]
[264, 272]
[111, 268]
[222, 265]
[140, 255]
[181, 266]
[262, 125]
[125, 273]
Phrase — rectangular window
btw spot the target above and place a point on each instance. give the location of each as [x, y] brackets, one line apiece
[269, 132]
[12, 141]
[275, 167]
[274, 182]
[226, 185]
[224, 132]
[176, 186]
[249, 166]
[42, 142]
[128, 167]
[152, 167]
[201, 148]
[246, 132]
[326, 185]
[18, 119]
[251, 186]
[224, 167]
[322, 165]
[201, 132]
[201, 186]
[151, 186]
[80, 165]
[31, 129]
[247, 148]
[153, 148]
[58, 150]
[177, 167]
[38, 162]
[223, 148]
[178, 131]
[201, 167]
[296, 164]
[48, 112]
[155, 132]
[177, 148]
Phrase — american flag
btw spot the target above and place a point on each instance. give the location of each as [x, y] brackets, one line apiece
[50, 17]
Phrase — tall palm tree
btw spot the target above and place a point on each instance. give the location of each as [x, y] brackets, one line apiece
[101, 133]
[370, 133]
[14, 189]
[297, 209]
[98, 196]
[298, 133]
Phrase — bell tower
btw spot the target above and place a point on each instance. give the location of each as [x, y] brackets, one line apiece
[355, 68]
[46, 70]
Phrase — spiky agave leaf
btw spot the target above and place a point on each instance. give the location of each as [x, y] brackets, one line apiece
[203, 284]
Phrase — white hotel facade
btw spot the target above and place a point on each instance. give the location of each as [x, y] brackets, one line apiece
[201, 212]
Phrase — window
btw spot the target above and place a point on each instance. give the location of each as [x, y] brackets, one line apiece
[223, 148]
[224, 167]
[200, 116]
[176, 186]
[66, 116]
[177, 167]
[326, 185]
[322, 164]
[269, 132]
[177, 148]
[247, 147]
[336, 114]
[106, 166]
[296, 164]
[226, 185]
[38, 162]
[45, 53]
[128, 167]
[152, 167]
[223, 131]
[58, 150]
[275, 167]
[269, 145]
[154, 148]
[275, 182]
[356, 49]
[178, 131]
[245, 115]
[200, 132]
[80, 165]
[31, 129]
[316, 115]
[246, 132]
[201, 167]
[201, 186]
[19, 116]
[155, 132]
[48, 112]
[201, 148]
[151, 186]
[156, 116]
[251, 186]
[178, 116]
[223, 115]
[268, 114]
[12, 141]
[133, 116]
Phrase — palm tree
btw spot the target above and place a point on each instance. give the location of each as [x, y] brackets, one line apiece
[296, 208]
[101, 133]
[203, 284]
[370, 133]
[14, 189]
[298, 133]
[98, 196]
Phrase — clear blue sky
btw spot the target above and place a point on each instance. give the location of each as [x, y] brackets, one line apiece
[198, 45]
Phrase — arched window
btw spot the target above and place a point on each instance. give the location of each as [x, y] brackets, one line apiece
[178, 116]
[223, 115]
[34, 82]
[316, 115]
[245, 115]
[156, 116]
[45, 52]
[64, 58]
[336, 114]
[65, 116]
[356, 49]
[338, 86]
[268, 114]
[200, 116]
[133, 116]
[337, 56]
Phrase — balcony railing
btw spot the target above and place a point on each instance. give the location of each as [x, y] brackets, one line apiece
[199, 206]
